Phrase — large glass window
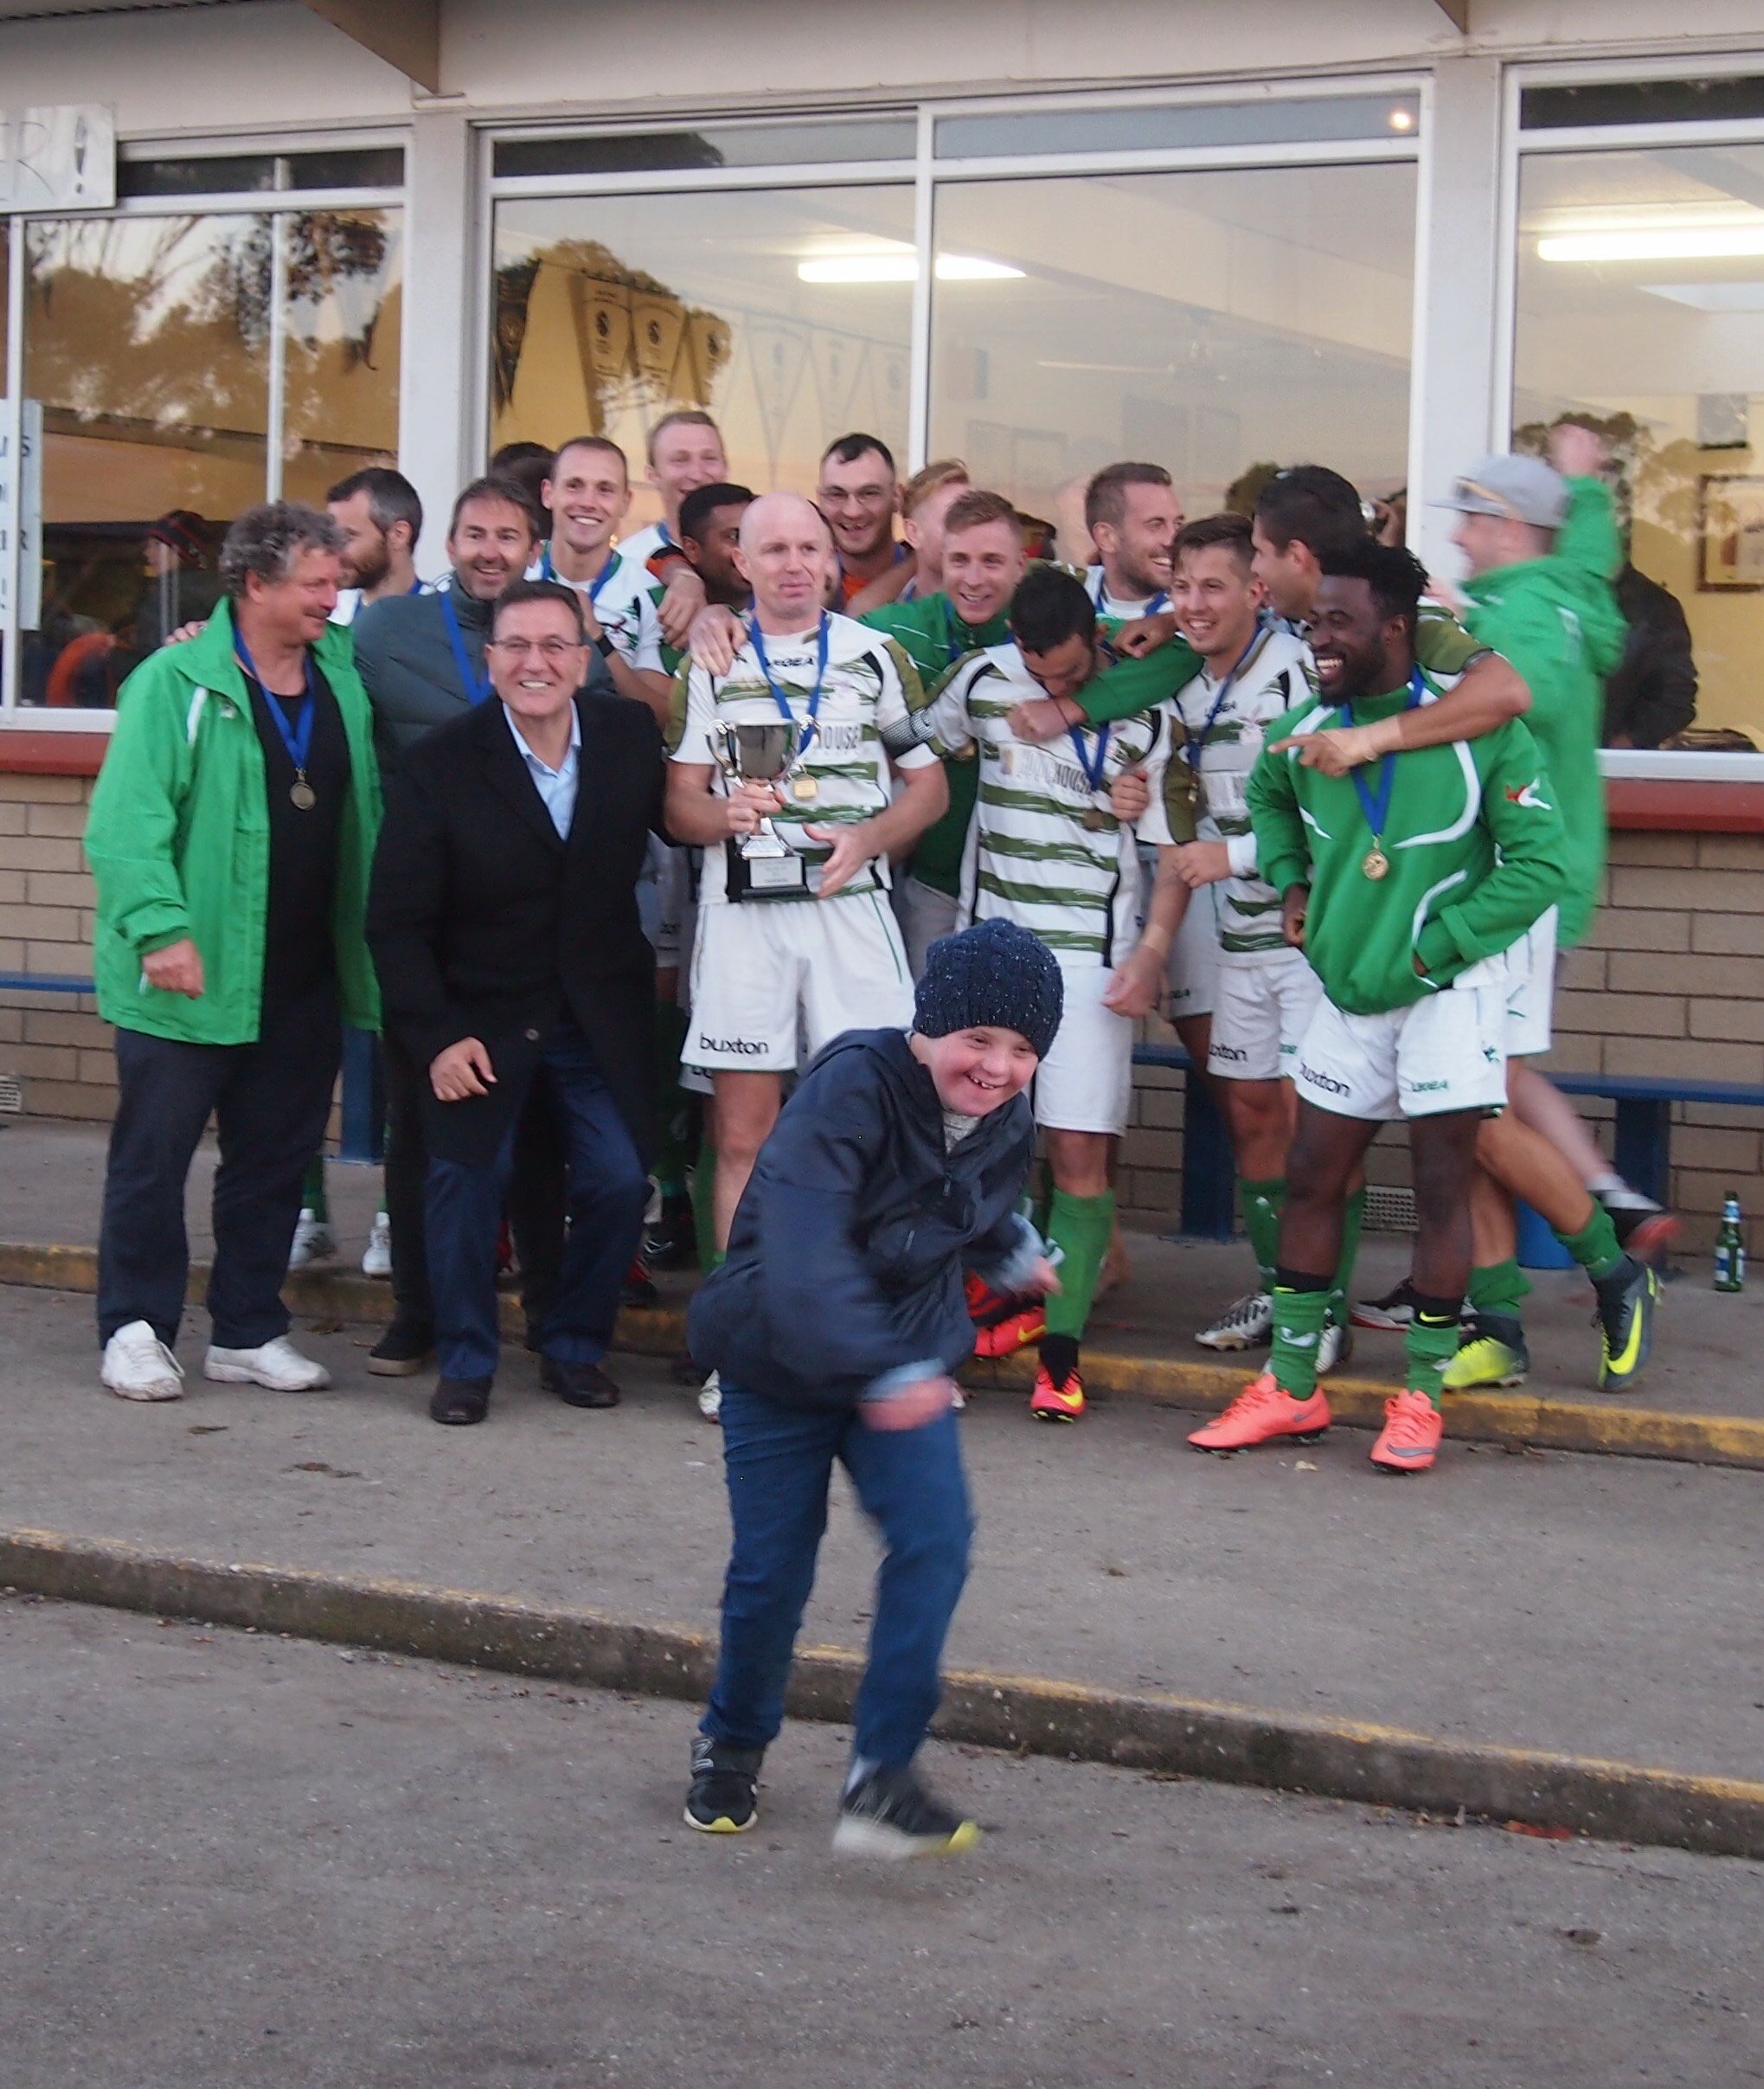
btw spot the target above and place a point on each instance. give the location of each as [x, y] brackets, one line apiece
[188, 366]
[1206, 321]
[785, 312]
[1640, 310]
[190, 358]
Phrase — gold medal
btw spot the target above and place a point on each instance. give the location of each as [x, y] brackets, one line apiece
[1377, 863]
[804, 790]
[1095, 820]
[302, 795]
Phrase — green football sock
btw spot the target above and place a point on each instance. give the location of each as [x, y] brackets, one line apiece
[1353, 1217]
[703, 1188]
[1080, 1227]
[1262, 1203]
[1500, 1289]
[1429, 1346]
[1299, 1320]
[313, 1190]
[1594, 1247]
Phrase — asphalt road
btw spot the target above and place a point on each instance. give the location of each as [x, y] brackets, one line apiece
[231, 1861]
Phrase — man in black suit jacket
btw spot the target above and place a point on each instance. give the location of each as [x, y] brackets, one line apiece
[503, 923]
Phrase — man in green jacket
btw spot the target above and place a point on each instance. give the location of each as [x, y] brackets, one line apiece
[230, 835]
[1556, 620]
[1406, 884]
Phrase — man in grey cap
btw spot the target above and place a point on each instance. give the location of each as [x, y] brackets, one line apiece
[1540, 591]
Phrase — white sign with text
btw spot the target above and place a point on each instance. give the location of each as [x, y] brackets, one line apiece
[58, 158]
[21, 509]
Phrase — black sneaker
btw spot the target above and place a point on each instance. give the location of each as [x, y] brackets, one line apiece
[1392, 1312]
[890, 1814]
[1624, 1316]
[724, 1780]
[672, 1241]
[403, 1350]
[1645, 1230]
[578, 1385]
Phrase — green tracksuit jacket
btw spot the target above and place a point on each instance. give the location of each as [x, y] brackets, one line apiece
[935, 638]
[178, 833]
[1474, 842]
[1557, 621]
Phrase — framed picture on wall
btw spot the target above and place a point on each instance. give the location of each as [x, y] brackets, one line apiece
[1730, 522]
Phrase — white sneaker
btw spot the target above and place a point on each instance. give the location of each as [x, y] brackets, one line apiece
[278, 1365]
[139, 1366]
[1334, 1345]
[710, 1398]
[312, 1241]
[377, 1259]
[1245, 1323]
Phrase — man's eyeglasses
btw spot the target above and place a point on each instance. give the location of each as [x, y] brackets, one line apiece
[556, 650]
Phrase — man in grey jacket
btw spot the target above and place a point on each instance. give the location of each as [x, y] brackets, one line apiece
[421, 658]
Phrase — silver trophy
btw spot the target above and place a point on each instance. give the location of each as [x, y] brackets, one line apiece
[764, 863]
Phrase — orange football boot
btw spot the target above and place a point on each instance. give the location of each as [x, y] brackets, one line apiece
[1264, 1413]
[1018, 1330]
[1410, 1438]
[1052, 1403]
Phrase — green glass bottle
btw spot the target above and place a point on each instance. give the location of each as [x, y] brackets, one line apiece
[1731, 1249]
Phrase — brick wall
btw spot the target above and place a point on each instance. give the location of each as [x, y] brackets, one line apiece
[1671, 980]
[55, 1043]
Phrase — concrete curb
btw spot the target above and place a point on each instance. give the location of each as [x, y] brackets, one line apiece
[1608, 1428]
[1229, 1744]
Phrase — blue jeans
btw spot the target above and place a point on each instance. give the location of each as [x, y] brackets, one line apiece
[607, 1193]
[778, 1461]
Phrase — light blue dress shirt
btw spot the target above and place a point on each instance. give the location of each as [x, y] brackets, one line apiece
[557, 787]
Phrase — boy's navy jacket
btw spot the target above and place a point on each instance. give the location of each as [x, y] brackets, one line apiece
[846, 1260]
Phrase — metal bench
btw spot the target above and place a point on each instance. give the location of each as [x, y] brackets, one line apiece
[362, 1131]
[1642, 1146]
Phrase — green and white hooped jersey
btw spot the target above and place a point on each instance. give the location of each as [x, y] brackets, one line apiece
[1117, 609]
[1030, 858]
[625, 606]
[869, 684]
[1276, 678]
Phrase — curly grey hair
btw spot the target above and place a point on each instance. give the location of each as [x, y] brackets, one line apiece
[266, 540]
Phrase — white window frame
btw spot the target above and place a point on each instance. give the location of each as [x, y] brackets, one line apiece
[924, 172]
[1652, 765]
[276, 204]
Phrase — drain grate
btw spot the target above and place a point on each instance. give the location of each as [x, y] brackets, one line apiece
[1389, 1211]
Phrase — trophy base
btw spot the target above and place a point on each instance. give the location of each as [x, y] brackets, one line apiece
[766, 874]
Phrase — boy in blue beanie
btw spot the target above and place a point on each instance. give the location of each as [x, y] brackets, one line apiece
[835, 1323]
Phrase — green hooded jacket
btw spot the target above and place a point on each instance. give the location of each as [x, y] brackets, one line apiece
[177, 837]
[1556, 620]
[1473, 843]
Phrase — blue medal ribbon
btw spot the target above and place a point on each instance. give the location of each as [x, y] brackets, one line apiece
[1092, 770]
[1159, 602]
[1193, 749]
[1375, 800]
[297, 739]
[548, 572]
[823, 639]
[475, 683]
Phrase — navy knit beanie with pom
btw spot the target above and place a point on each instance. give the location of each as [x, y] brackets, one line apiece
[994, 975]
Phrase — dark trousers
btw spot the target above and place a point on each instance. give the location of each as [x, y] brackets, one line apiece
[270, 1102]
[607, 1190]
[778, 1461]
[535, 1195]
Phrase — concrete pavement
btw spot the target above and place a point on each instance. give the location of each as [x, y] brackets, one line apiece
[235, 1861]
[1598, 1607]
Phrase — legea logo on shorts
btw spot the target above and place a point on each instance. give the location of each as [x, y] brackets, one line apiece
[744, 1046]
[1426, 1088]
[1229, 1052]
[1327, 1083]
